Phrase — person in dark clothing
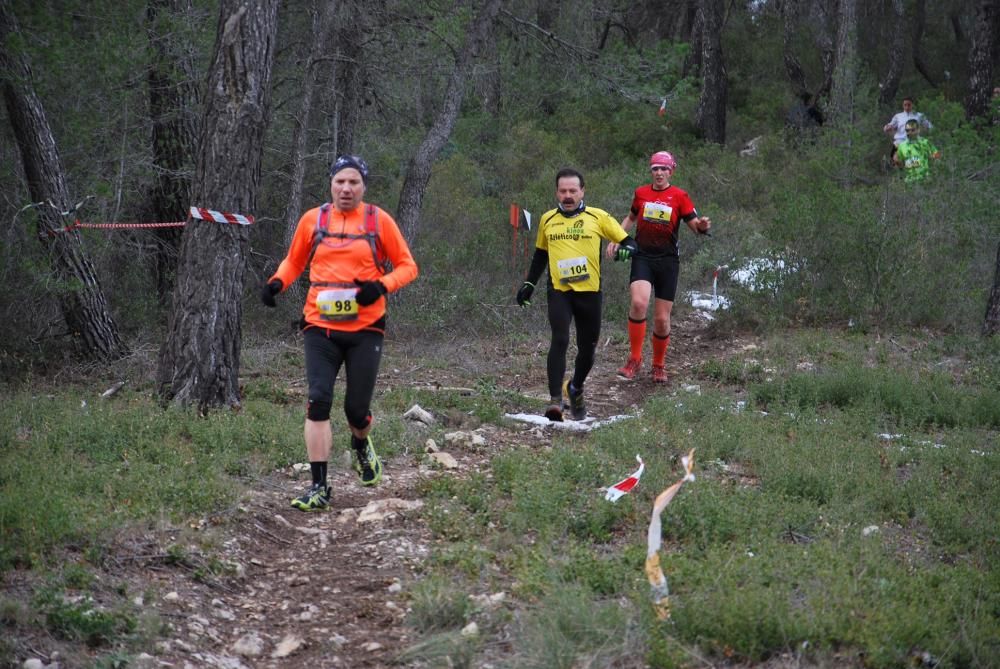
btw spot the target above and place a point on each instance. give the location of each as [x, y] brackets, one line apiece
[804, 115]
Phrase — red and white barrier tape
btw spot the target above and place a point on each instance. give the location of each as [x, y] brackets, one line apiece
[654, 574]
[195, 212]
[113, 226]
[220, 216]
[624, 486]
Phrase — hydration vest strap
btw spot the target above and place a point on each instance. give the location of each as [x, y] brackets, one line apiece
[371, 234]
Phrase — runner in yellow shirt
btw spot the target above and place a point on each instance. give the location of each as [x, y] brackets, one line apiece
[569, 245]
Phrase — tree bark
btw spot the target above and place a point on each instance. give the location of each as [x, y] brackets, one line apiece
[547, 13]
[200, 359]
[173, 99]
[322, 24]
[894, 73]
[982, 53]
[991, 324]
[845, 74]
[695, 56]
[919, 25]
[825, 39]
[418, 172]
[350, 75]
[793, 68]
[711, 114]
[82, 302]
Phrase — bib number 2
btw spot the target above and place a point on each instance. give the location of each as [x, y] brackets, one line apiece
[657, 212]
[338, 305]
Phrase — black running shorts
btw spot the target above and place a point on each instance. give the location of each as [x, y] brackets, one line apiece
[661, 271]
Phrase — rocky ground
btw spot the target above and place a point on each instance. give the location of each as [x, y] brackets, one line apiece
[290, 589]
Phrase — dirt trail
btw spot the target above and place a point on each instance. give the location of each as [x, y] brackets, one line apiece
[330, 589]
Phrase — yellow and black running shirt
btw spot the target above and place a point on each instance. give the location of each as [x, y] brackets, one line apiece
[574, 246]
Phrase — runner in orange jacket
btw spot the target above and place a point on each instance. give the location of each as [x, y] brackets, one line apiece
[346, 246]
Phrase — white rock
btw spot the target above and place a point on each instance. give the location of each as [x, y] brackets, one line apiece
[430, 446]
[249, 645]
[143, 661]
[418, 414]
[371, 646]
[472, 629]
[395, 587]
[381, 509]
[870, 530]
[225, 614]
[287, 646]
[446, 460]
[33, 663]
[171, 597]
[456, 437]
[338, 640]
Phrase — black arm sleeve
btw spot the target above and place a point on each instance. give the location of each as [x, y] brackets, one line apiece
[539, 262]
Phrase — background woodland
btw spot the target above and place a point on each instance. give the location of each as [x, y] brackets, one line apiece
[122, 112]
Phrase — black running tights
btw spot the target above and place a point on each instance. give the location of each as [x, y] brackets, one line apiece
[585, 309]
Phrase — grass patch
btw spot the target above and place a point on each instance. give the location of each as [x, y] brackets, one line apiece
[848, 516]
[112, 463]
[925, 401]
[846, 513]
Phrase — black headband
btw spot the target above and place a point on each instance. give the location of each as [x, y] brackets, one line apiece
[357, 162]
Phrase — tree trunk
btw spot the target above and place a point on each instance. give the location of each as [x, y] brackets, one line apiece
[991, 324]
[547, 12]
[418, 172]
[982, 51]
[81, 299]
[845, 74]
[919, 24]
[827, 27]
[200, 359]
[711, 114]
[890, 84]
[322, 24]
[693, 60]
[173, 99]
[690, 13]
[955, 16]
[792, 66]
[349, 83]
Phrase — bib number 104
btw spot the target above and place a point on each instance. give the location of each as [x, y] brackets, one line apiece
[573, 269]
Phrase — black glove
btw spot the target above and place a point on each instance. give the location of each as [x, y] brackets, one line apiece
[268, 291]
[626, 249]
[524, 294]
[369, 291]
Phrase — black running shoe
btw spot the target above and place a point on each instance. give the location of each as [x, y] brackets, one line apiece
[574, 401]
[317, 498]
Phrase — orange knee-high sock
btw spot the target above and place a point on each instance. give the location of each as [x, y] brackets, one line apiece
[636, 337]
[660, 345]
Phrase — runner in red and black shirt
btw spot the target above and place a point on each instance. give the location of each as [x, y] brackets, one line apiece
[657, 211]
